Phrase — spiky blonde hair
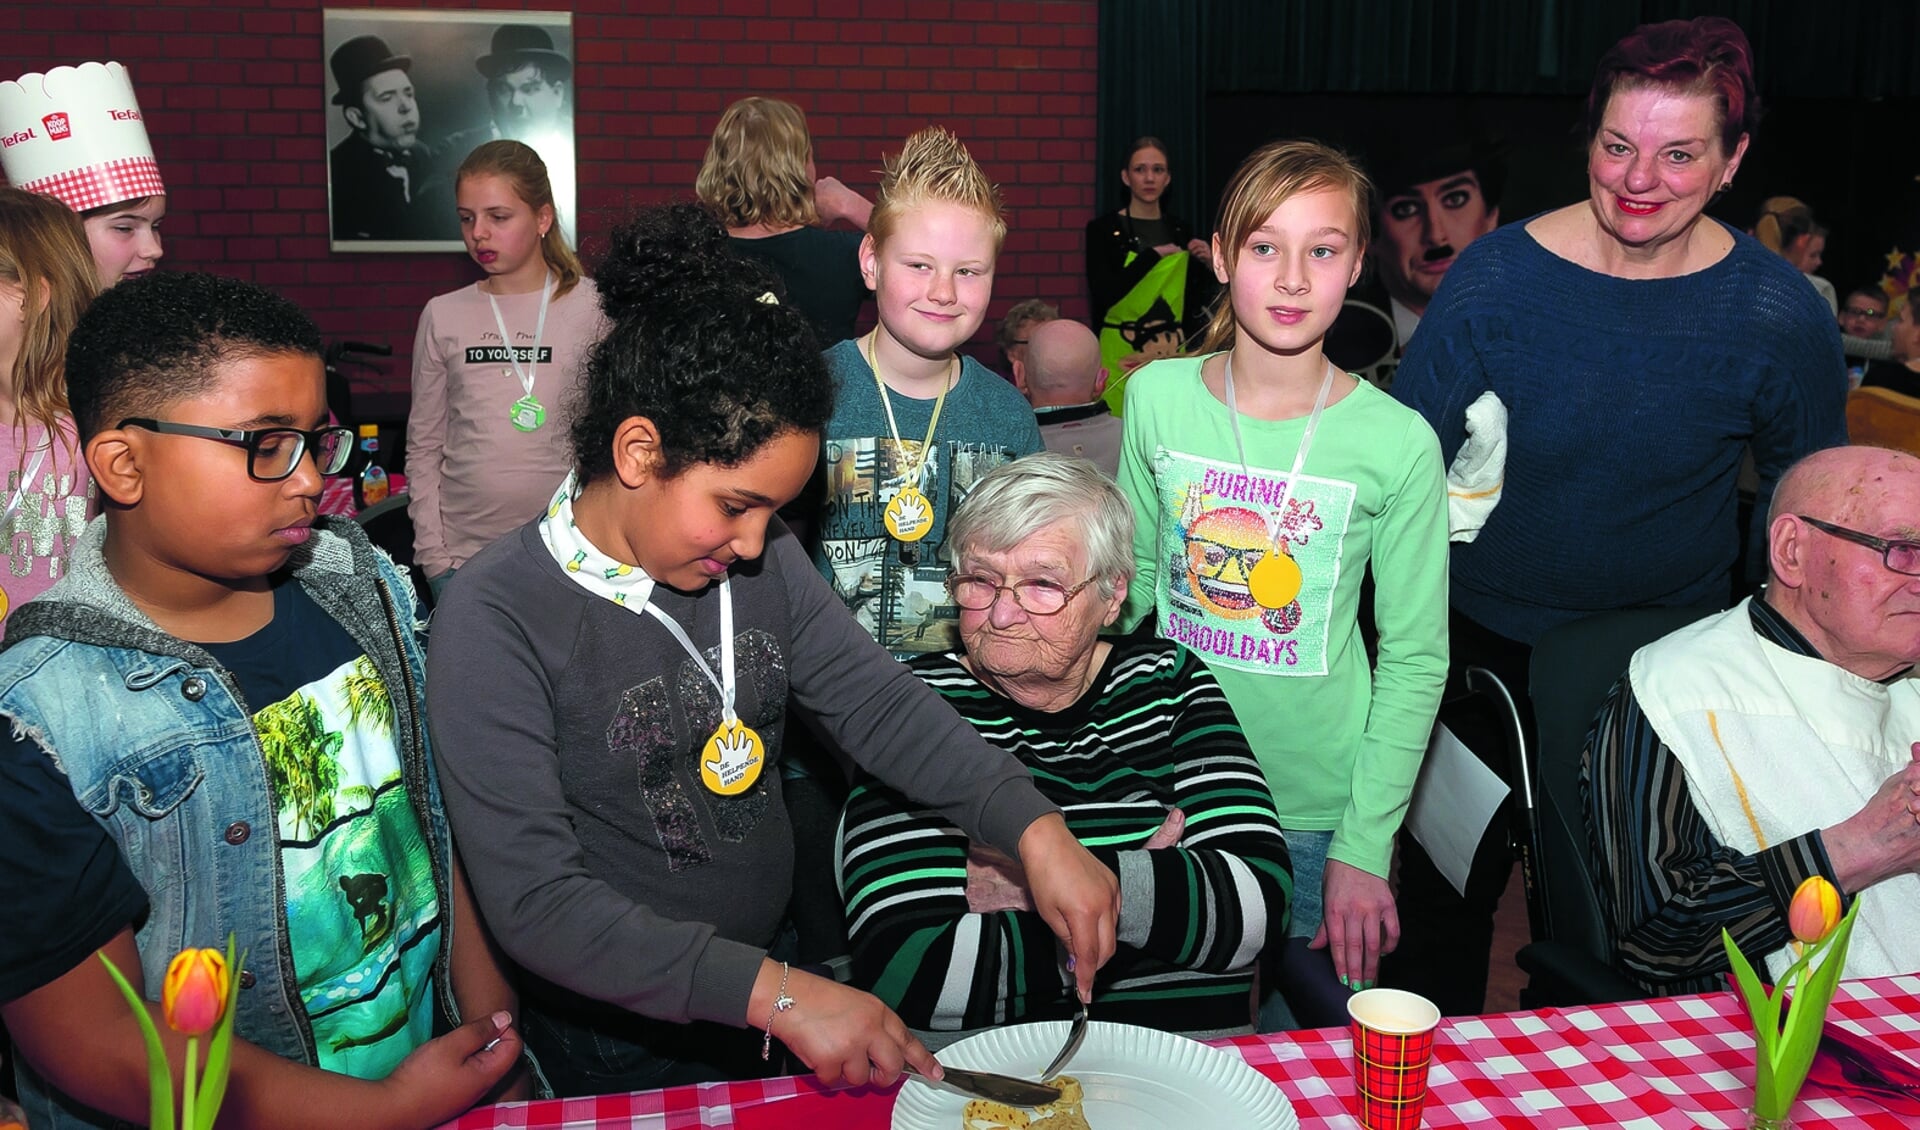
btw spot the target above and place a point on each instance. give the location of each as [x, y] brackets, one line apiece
[934, 167]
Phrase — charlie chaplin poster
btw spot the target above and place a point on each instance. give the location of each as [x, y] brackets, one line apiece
[410, 94]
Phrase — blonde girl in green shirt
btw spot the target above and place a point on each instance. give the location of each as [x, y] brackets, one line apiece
[1268, 483]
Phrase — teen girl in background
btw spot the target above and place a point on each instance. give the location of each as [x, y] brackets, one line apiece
[47, 280]
[496, 365]
[124, 238]
[77, 134]
[1267, 483]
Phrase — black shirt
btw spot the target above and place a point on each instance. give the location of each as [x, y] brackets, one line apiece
[821, 268]
[60, 872]
[299, 645]
[1892, 376]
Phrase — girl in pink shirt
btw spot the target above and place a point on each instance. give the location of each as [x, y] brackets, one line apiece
[47, 280]
[496, 366]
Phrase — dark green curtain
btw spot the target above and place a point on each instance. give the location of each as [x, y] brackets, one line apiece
[1150, 84]
[1835, 49]
[1161, 59]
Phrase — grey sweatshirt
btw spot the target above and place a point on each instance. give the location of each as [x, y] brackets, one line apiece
[569, 730]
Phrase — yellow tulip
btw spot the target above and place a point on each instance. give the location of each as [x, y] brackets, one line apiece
[195, 995]
[1814, 911]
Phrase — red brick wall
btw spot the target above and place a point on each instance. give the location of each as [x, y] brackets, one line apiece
[233, 95]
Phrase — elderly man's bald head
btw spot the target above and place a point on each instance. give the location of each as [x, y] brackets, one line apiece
[1836, 484]
[1063, 364]
[1839, 592]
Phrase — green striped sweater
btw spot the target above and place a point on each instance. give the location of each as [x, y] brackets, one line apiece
[1151, 733]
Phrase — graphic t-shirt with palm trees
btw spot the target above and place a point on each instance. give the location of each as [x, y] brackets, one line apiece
[362, 914]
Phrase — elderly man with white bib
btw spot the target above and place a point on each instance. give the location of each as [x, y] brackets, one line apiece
[1773, 742]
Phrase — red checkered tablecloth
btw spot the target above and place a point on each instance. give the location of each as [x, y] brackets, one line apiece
[1670, 1064]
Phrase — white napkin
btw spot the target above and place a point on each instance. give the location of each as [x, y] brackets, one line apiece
[1479, 469]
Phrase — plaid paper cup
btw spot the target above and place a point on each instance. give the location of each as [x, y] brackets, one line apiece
[1392, 1050]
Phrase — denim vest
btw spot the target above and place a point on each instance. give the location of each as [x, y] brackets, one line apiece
[158, 744]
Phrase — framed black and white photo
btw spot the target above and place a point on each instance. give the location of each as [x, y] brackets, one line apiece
[410, 94]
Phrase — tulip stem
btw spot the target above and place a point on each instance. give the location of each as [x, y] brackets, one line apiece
[187, 1084]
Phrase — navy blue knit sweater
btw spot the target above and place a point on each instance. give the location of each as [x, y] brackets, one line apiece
[1631, 402]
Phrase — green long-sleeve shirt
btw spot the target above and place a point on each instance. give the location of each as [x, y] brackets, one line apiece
[1340, 742]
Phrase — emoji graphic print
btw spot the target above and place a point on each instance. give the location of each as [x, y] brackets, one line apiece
[1217, 535]
[897, 589]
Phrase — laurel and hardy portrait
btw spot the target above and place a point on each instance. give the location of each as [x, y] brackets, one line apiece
[410, 94]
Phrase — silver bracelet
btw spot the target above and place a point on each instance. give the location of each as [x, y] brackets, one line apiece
[781, 1003]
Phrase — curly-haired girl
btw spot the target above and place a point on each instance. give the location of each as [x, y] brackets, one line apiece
[612, 787]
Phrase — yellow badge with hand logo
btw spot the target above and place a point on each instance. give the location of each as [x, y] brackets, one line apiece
[909, 516]
[732, 759]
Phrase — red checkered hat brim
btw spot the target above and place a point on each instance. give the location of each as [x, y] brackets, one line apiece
[109, 182]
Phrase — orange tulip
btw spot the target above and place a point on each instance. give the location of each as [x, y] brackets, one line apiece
[1814, 911]
[195, 995]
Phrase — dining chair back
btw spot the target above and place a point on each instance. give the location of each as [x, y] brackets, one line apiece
[1573, 668]
[1884, 418]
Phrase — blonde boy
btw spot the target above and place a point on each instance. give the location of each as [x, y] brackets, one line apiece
[915, 424]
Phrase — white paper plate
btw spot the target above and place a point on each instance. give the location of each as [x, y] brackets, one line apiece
[1134, 1078]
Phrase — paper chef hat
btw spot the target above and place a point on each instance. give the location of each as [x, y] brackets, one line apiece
[75, 133]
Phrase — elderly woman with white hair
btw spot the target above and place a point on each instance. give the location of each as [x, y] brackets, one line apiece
[1134, 741]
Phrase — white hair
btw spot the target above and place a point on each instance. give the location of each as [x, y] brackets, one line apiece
[1016, 500]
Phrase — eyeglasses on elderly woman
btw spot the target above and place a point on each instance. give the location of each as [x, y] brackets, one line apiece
[1037, 597]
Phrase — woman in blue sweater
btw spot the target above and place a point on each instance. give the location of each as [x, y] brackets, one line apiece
[1640, 349]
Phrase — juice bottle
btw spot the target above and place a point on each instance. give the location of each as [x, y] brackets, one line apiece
[371, 486]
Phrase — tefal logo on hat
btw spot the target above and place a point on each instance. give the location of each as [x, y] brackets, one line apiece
[125, 115]
[58, 128]
[9, 140]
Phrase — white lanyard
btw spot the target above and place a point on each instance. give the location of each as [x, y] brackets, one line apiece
[26, 480]
[723, 682]
[913, 470]
[539, 331]
[1277, 519]
[631, 588]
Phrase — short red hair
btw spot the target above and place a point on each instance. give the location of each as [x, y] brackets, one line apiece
[1705, 56]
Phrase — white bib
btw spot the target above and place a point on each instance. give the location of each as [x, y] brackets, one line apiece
[1799, 743]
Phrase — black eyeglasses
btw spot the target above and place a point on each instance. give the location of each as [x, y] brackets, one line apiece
[272, 453]
[1035, 598]
[1856, 312]
[1901, 556]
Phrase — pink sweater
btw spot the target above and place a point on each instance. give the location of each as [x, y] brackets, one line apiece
[473, 475]
[53, 511]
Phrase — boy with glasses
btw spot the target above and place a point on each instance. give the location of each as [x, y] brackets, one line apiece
[233, 692]
[1864, 332]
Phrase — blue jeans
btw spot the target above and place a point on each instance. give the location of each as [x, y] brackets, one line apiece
[1308, 850]
[1290, 967]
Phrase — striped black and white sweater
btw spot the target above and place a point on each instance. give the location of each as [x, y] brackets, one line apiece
[1153, 732]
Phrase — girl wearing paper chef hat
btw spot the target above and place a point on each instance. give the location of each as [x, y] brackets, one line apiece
[76, 134]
